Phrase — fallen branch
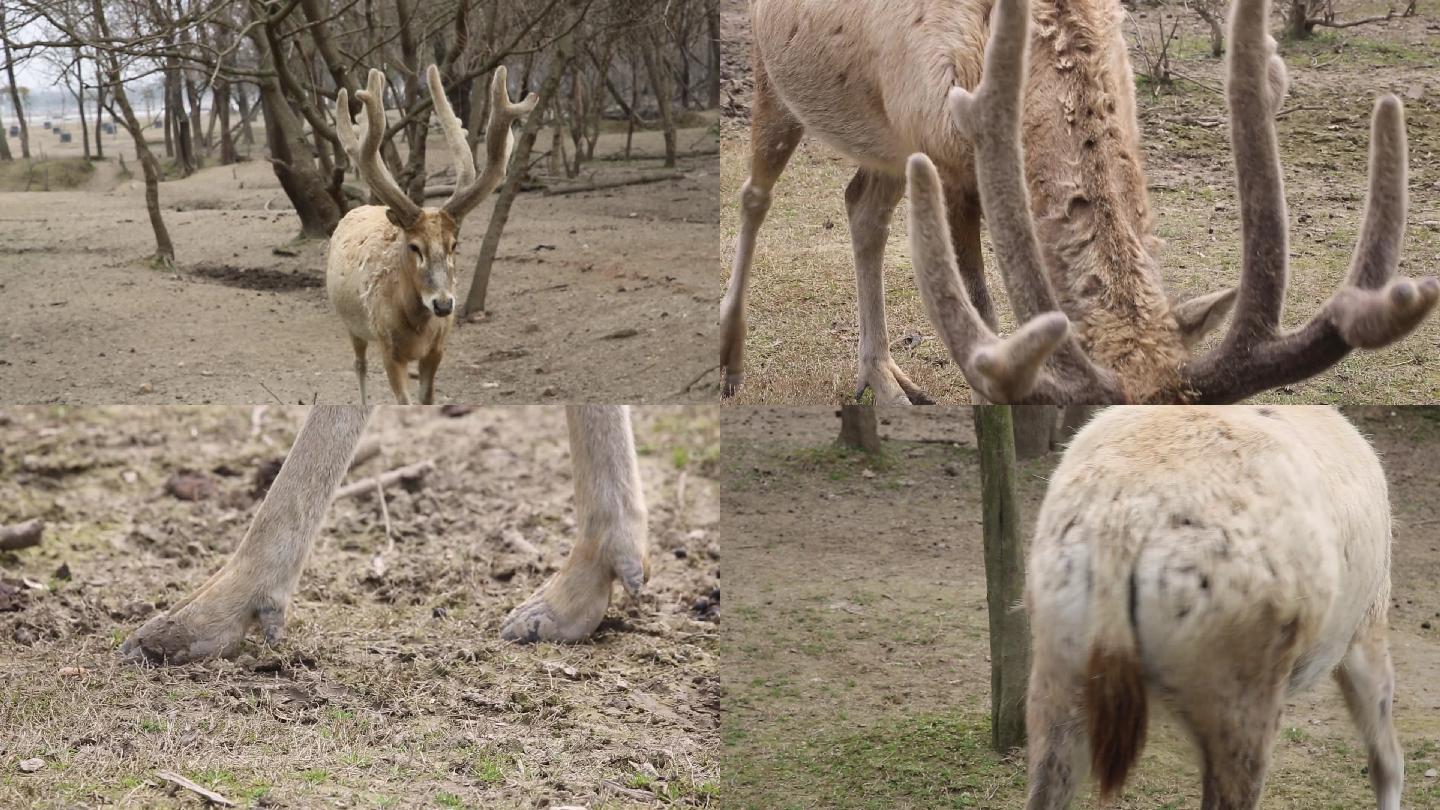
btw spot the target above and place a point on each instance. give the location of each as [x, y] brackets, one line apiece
[21, 535]
[576, 188]
[209, 796]
[368, 449]
[1324, 23]
[620, 156]
[412, 472]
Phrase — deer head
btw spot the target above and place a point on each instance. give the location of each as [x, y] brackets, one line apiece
[426, 238]
[1046, 361]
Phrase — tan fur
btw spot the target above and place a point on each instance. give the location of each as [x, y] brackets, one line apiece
[256, 584]
[871, 77]
[1229, 557]
[378, 286]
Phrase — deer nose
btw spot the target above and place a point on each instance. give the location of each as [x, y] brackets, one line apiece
[443, 306]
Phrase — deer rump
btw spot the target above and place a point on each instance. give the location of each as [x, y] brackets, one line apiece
[1214, 558]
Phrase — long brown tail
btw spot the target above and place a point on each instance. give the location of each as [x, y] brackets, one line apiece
[1115, 711]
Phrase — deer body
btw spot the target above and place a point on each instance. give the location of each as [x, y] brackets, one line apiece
[940, 89]
[1216, 560]
[391, 269]
[387, 293]
[255, 585]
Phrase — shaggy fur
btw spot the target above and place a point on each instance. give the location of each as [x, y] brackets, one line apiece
[1068, 213]
[1213, 560]
[255, 585]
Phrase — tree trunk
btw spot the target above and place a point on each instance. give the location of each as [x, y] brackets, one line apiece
[15, 92]
[242, 101]
[712, 20]
[80, 105]
[1074, 418]
[480, 284]
[164, 248]
[1299, 19]
[1004, 577]
[660, 83]
[1035, 427]
[858, 428]
[227, 138]
[99, 112]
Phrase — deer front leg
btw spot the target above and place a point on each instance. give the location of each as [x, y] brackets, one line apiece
[360, 346]
[870, 200]
[397, 370]
[612, 542]
[428, 364]
[774, 134]
[255, 585]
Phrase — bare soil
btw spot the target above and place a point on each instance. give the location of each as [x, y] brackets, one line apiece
[604, 295]
[392, 688]
[803, 323]
[856, 645]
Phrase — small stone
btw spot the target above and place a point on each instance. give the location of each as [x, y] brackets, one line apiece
[1424, 625]
[24, 636]
[439, 613]
[147, 388]
[31, 765]
[1432, 773]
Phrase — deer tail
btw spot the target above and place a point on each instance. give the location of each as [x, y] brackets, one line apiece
[1115, 700]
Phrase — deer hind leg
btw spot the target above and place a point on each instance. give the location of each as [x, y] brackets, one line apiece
[612, 542]
[1234, 720]
[774, 134]
[962, 209]
[360, 346]
[398, 372]
[428, 364]
[1057, 752]
[255, 585]
[1367, 681]
[870, 201]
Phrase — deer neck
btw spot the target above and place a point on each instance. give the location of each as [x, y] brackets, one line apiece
[1088, 197]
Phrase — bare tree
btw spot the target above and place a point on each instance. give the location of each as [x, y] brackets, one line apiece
[15, 91]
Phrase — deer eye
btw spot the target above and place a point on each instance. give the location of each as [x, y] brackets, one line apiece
[415, 249]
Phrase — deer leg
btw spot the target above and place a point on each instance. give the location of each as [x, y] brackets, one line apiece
[428, 364]
[1236, 732]
[1057, 750]
[396, 369]
[962, 210]
[612, 542]
[774, 134]
[1367, 681]
[870, 200]
[360, 347]
[255, 585]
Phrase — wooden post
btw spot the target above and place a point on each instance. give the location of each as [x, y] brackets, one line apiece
[1004, 577]
[858, 429]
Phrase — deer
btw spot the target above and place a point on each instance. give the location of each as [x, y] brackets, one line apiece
[255, 586]
[960, 103]
[390, 274]
[1214, 560]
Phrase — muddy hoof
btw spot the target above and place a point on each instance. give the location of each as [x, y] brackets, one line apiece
[558, 613]
[198, 628]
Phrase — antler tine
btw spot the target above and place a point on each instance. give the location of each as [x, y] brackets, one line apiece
[1009, 369]
[372, 169]
[498, 141]
[454, 133]
[1372, 308]
[345, 126]
[1000, 370]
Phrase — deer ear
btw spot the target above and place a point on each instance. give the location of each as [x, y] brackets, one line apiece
[1199, 315]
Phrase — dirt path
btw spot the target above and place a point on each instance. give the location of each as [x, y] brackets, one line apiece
[856, 648]
[803, 325]
[391, 688]
[83, 320]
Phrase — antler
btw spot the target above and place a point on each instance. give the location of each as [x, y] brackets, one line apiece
[1371, 309]
[1041, 362]
[365, 150]
[470, 190]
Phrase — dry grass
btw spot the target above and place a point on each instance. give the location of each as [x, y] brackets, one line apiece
[390, 690]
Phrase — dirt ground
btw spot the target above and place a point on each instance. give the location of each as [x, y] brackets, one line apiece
[604, 295]
[391, 689]
[856, 648]
[803, 324]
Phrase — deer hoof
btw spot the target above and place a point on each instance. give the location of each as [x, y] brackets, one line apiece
[207, 626]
